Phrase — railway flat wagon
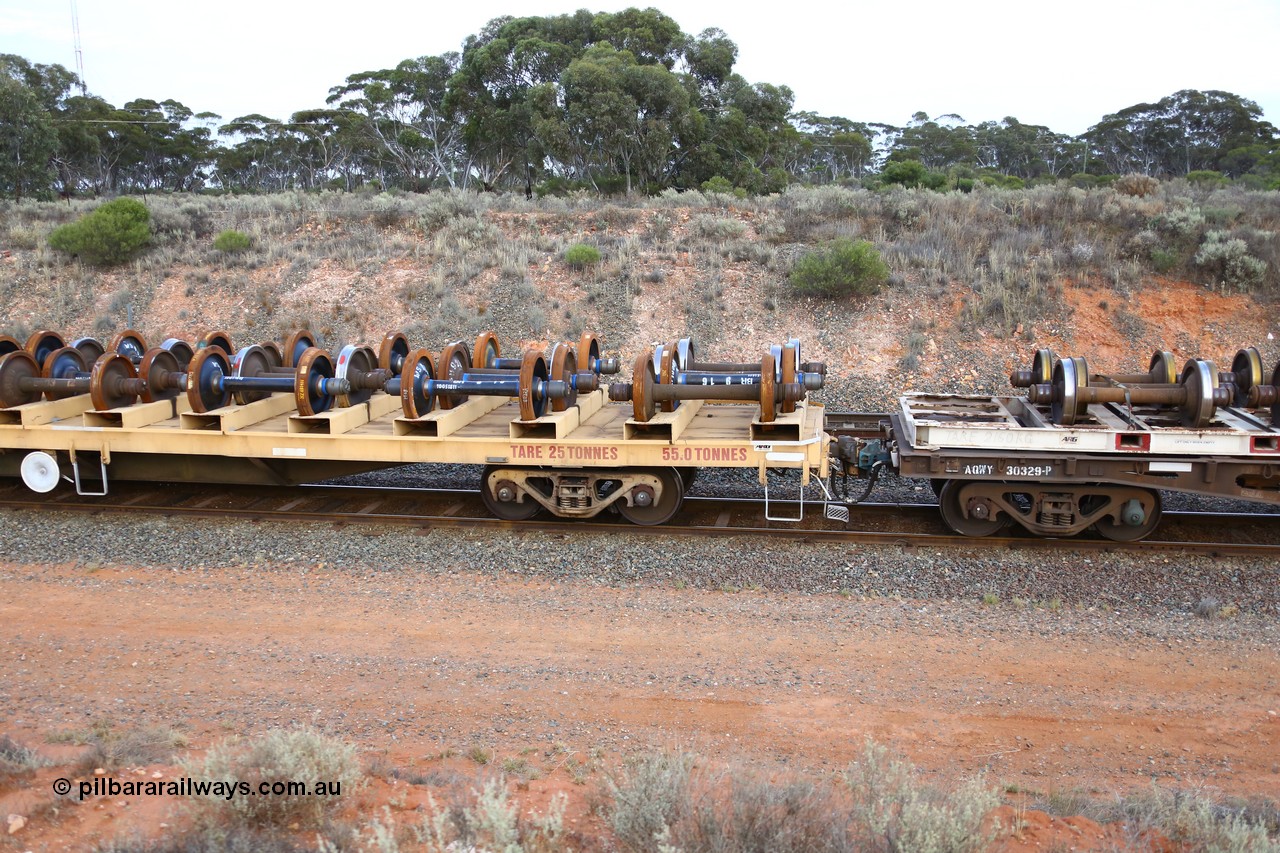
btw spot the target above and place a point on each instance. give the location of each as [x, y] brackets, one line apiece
[573, 463]
[997, 462]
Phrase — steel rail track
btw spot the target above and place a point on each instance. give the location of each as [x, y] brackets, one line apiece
[452, 508]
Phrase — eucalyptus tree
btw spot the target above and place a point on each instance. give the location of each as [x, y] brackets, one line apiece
[1181, 133]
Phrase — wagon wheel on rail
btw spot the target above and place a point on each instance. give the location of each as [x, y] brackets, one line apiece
[969, 517]
[661, 507]
[502, 498]
[1121, 531]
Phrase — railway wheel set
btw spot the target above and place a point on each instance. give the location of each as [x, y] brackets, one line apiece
[573, 432]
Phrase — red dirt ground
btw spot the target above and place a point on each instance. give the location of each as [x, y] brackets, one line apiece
[419, 671]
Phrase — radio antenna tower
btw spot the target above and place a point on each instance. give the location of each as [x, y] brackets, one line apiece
[75, 33]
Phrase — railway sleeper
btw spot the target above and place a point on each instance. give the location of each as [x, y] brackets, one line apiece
[983, 508]
[645, 496]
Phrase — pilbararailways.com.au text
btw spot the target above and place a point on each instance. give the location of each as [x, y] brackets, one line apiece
[188, 787]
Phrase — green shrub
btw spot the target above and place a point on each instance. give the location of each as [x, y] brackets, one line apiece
[844, 268]
[232, 241]
[717, 184]
[1205, 177]
[908, 173]
[110, 235]
[581, 256]
[1163, 261]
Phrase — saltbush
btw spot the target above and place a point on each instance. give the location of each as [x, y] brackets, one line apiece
[110, 235]
[1227, 259]
[231, 241]
[278, 756]
[843, 268]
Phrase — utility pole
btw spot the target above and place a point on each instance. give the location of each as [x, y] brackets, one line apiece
[75, 34]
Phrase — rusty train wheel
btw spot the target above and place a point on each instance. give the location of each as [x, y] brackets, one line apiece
[182, 351]
[129, 344]
[392, 352]
[15, 367]
[588, 352]
[1070, 376]
[415, 399]
[219, 339]
[1247, 369]
[564, 366]
[91, 349]
[354, 361]
[768, 389]
[106, 379]
[643, 378]
[274, 356]
[1200, 380]
[156, 366]
[667, 370]
[486, 352]
[250, 362]
[204, 379]
[1162, 370]
[295, 345]
[533, 372]
[8, 345]
[790, 360]
[453, 364]
[313, 368]
[41, 343]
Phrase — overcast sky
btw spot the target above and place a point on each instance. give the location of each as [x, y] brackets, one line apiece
[1064, 65]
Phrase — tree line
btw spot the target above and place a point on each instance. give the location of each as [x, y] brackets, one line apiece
[612, 102]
